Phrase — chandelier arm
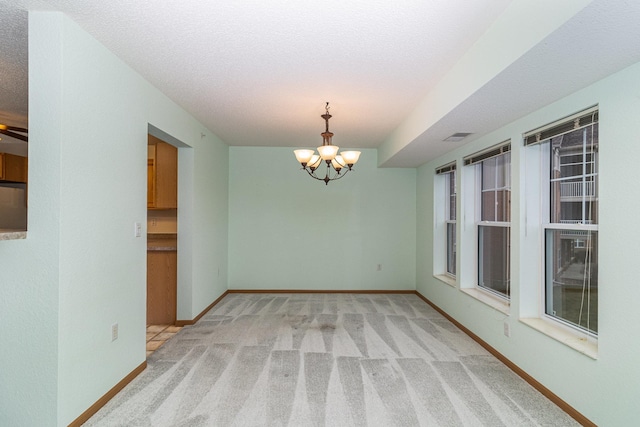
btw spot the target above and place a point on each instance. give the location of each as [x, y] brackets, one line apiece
[339, 175]
[313, 175]
[327, 178]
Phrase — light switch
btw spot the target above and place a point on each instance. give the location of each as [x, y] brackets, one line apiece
[138, 229]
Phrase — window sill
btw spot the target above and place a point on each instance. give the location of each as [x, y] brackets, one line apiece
[565, 336]
[494, 302]
[451, 281]
[12, 234]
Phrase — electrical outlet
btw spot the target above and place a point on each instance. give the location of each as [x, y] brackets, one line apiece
[507, 329]
[154, 222]
[114, 332]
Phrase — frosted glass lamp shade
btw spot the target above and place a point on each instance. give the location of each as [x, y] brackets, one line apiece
[314, 162]
[350, 157]
[338, 163]
[303, 156]
[328, 152]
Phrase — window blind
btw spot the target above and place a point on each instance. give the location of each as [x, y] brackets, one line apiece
[568, 124]
[449, 167]
[496, 150]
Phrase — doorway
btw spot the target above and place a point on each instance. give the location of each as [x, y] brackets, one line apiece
[162, 231]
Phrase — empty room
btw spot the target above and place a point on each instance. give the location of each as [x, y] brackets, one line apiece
[319, 213]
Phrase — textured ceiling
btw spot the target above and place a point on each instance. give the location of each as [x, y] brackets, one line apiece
[13, 66]
[259, 72]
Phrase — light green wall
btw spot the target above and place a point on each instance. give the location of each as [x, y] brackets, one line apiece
[81, 269]
[29, 269]
[288, 231]
[605, 390]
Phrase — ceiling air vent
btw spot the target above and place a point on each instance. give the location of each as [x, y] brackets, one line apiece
[459, 136]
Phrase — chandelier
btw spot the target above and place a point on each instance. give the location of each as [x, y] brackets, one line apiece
[335, 165]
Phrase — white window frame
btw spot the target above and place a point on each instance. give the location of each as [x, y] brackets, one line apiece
[442, 216]
[576, 336]
[480, 258]
[450, 198]
[473, 184]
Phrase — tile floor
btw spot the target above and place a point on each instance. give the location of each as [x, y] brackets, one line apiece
[158, 335]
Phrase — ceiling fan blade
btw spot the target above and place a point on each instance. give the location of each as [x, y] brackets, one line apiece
[13, 128]
[14, 135]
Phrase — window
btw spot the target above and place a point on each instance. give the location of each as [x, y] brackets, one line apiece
[569, 152]
[447, 197]
[493, 216]
[450, 191]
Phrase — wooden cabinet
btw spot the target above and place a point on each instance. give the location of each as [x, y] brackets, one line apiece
[162, 268]
[162, 175]
[151, 183]
[13, 168]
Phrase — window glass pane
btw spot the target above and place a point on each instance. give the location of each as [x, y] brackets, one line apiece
[451, 248]
[572, 277]
[450, 217]
[496, 194]
[451, 193]
[489, 174]
[503, 205]
[493, 262]
[574, 196]
[489, 204]
[501, 171]
[507, 170]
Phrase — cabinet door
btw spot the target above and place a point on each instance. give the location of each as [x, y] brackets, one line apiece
[162, 273]
[166, 174]
[151, 183]
[13, 168]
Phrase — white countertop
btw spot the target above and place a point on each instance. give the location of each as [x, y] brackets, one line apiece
[8, 234]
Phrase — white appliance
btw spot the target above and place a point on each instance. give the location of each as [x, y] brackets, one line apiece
[13, 207]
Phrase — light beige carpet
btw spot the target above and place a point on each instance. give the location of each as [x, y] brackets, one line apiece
[326, 359]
